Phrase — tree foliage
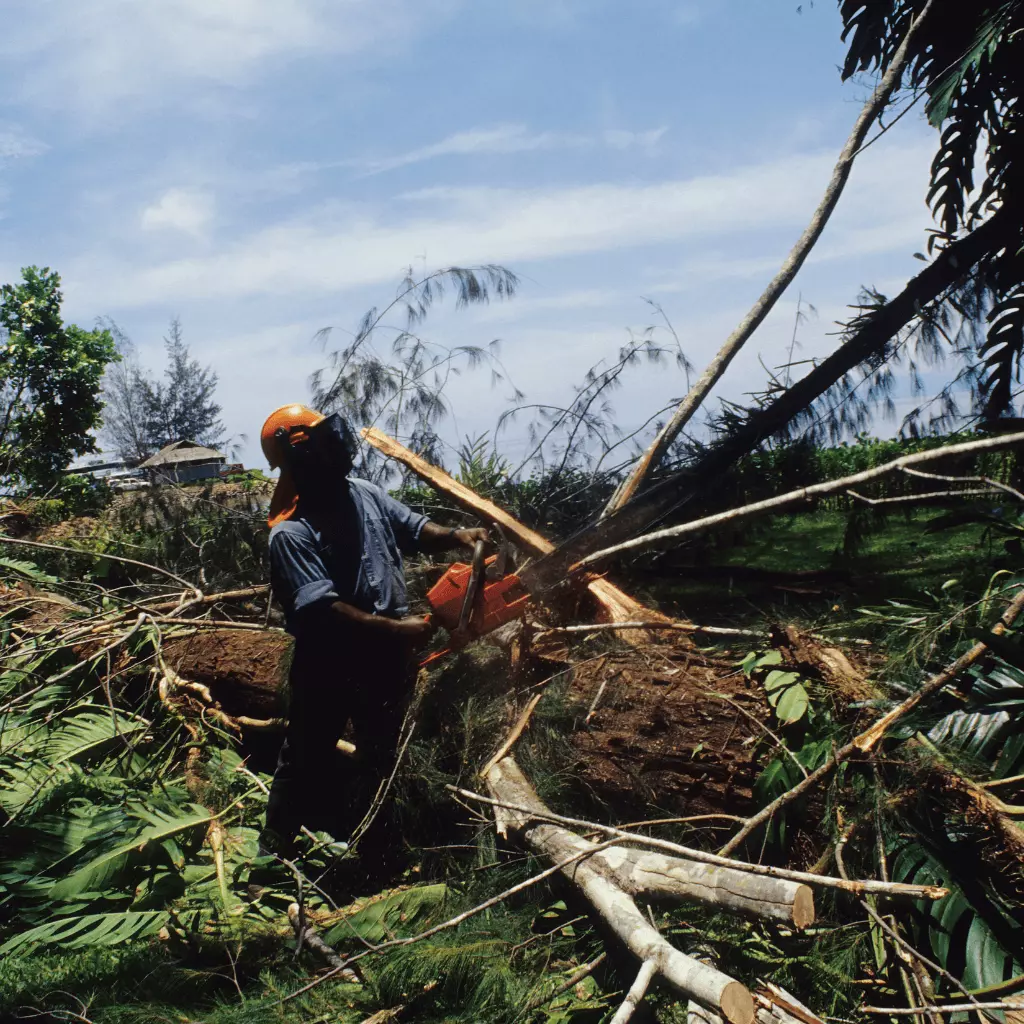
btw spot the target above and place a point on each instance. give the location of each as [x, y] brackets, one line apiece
[50, 376]
[969, 61]
[145, 414]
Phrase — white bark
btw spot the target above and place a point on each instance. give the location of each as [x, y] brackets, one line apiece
[598, 883]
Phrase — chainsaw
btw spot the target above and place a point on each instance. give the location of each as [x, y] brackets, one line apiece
[472, 600]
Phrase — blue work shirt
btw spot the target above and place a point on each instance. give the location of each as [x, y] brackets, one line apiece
[355, 559]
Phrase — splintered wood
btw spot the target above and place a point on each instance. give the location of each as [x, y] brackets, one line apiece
[613, 604]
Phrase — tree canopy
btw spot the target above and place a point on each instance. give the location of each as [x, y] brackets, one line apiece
[50, 376]
[144, 414]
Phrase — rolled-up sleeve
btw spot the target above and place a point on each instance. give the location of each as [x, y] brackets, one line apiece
[297, 572]
[405, 524]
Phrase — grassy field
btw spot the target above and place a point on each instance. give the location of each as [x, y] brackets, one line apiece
[762, 572]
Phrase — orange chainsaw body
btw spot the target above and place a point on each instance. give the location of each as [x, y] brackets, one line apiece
[497, 601]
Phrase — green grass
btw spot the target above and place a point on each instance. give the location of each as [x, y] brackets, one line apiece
[894, 559]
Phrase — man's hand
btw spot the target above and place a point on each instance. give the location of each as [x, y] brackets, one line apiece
[414, 629]
[468, 538]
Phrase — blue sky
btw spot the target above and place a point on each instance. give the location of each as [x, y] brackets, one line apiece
[265, 168]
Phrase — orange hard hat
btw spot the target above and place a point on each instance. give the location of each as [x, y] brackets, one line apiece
[287, 417]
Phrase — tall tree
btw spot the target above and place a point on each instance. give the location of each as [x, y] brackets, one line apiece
[50, 376]
[182, 406]
[144, 414]
[124, 401]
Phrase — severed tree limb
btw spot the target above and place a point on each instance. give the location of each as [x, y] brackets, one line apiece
[636, 992]
[531, 809]
[840, 175]
[920, 1011]
[615, 605]
[599, 883]
[863, 742]
[307, 935]
[802, 494]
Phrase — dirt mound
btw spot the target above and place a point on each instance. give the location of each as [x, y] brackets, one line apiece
[669, 728]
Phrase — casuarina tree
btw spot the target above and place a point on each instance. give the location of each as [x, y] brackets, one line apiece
[144, 414]
[50, 375]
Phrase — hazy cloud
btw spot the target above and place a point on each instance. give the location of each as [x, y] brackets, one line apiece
[179, 210]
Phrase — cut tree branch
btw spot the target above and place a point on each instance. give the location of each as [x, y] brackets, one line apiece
[612, 602]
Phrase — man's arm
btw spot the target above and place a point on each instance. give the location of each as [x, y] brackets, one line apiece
[434, 538]
[328, 614]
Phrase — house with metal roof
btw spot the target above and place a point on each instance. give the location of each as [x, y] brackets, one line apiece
[183, 462]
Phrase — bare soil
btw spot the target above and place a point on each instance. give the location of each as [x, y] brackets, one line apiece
[671, 729]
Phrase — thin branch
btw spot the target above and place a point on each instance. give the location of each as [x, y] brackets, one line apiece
[636, 992]
[452, 922]
[585, 971]
[863, 742]
[102, 554]
[716, 368]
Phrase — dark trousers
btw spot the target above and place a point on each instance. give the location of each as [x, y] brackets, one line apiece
[315, 785]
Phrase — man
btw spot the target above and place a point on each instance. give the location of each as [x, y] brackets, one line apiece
[336, 546]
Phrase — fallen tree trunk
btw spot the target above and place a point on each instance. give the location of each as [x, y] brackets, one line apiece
[613, 604]
[875, 331]
[606, 882]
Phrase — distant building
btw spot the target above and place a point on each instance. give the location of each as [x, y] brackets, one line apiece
[182, 462]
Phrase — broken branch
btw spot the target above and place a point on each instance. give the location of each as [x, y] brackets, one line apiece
[870, 736]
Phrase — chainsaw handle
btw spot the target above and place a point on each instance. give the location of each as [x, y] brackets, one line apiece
[476, 576]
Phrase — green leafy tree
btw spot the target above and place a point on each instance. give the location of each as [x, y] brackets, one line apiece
[50, 375]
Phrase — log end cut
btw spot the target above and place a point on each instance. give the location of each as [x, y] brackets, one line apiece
[803, 907]
[737, 1004]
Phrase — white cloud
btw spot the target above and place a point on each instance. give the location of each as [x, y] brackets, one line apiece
[16, 145]
[617, 139]
[108, 53]
[509, 138]
[332, 249]
[181, 210]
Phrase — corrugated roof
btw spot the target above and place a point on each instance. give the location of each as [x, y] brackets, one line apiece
[181, 451]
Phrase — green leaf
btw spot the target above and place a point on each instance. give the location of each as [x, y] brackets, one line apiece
[792, 705]
[27, 569]
[777, 680]
[90, 930]
[101, 870]
[770, 658]
[381, 918]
